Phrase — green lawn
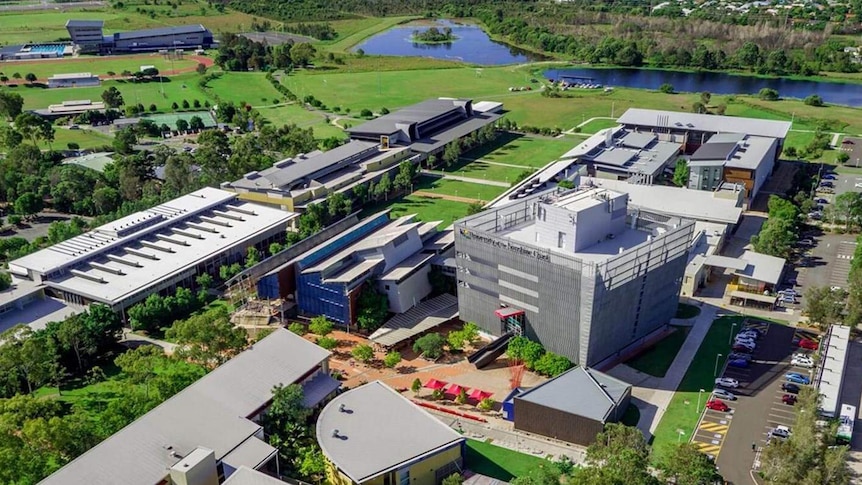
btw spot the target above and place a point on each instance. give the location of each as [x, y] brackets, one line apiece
[500, 463]
[84, 139]
[517, 149]
[426, 209]
[94, 64]
[292, 113]
[682, 412]
[481, 170]
[353, 31]
[656, 360]
[248, 87]
[686, 311]
[458, 188]
[89, 395]
[595, 126]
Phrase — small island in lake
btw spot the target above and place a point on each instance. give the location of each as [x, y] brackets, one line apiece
[433, 36]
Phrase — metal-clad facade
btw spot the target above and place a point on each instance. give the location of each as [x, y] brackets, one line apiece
[553, 423]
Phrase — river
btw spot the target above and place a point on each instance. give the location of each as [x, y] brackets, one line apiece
[715, 82]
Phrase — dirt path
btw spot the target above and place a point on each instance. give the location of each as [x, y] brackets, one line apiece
[453, 198]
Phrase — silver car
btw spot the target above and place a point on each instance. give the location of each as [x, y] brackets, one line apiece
[722, 394]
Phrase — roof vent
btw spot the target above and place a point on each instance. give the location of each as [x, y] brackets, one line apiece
[335, 433]
[341, 407]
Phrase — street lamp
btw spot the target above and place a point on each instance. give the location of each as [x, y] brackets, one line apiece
[699, 393]
[730, 337]
[680, 433]
[718, 356]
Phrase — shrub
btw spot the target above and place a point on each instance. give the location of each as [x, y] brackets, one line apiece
[486, 404]
[842, 157]
[15, 219]
[297, 328]
[453, 479]
[320, 326]
[366, 113]
[384, 111]
[768, 94]
[392, 359]
[461, 398]
[416, 386]
[551, 364]
[666, 88]
[437, 394]
[431, 345]
[813, 100]
[327, 343]
[467, 335]
[363, 353]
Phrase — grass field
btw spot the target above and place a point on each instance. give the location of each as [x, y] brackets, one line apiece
[458, 188]
[171, 119]
[353, 31]
[43, 69]
[481, 170]
[84, 138]
[500, 463]
[657, 360]
[595, 126]
[681, 413]
[517, 149]
[248, 87]
[427, 209]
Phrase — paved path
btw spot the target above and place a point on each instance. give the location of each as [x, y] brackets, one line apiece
[834, 142]
[449, 176]
[653, 394]
[134, 339]
[454, 198]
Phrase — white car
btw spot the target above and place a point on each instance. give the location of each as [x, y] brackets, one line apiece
[722, 394]
[748, 334]
[780, 432]
[858, 185]
[806, 363]
[744, 340]
[727, 382]
[746, 344]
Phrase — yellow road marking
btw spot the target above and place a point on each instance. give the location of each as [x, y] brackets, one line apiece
[714, 427]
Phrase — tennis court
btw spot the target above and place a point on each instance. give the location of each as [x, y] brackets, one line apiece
[171, 119]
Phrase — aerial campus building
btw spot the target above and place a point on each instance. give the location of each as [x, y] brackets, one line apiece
[73, 80]
[577, 270]
[87, 37]
[211, 429]
[156, 250]
[371, 435]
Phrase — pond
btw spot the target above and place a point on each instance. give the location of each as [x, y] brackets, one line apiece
[471, 45]
[716, 83]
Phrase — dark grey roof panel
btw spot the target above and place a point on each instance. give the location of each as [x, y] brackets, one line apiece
[416, 113]
[714, 151]
[85, 23]
[426, 145]
[581, 391]
[162, 31]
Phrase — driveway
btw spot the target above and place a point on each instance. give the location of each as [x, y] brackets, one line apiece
[829, 262]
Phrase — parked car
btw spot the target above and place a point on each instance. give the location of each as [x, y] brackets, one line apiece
[749, 345]
[826, 183]
[721, 393]
[743, 339]
[829, 176]
[816, 215]
[805, 242]
[808, 344]
[790, 387]
[727, 382]
[749, 334]
[821, 200]
[789, 399]
[780, 432]
[754, 329]
[717, 405]
[739, 355]
[807, 363]
[787, 291]
[797, 378]
[742, 348]
[737, 363]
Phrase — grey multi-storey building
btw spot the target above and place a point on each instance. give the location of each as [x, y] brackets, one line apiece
[578, 271]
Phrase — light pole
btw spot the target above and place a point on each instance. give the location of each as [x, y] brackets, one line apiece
[730, 337]
[699, 393]
[715, 373]
[679, 433]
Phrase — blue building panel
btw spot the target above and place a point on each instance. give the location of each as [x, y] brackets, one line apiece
[267, 287]
[317, 298]
[344, 240]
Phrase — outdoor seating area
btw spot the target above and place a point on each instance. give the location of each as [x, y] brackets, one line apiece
[452, 391]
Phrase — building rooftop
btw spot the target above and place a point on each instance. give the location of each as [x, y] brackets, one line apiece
[161, 31]
[371, 430]
[624, 150]
[96, 161]
[72, 75]
[762, 267]
[248, 476]
[703, 122]
[714, 151]
[121, 258]
[832, 369]
[580, 391]
[417, 113]
[747, 152]
[213, 412]
[429, 144]
[85, 23]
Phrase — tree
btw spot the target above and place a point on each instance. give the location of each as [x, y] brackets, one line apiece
[363, 353]
[681, 173]
[392, 359]
[705, 97]
[11, 104]
[30, 77]
[320, 325]
[813, 100]
[140, 364]
[475, 208]
[34, 127]
[685, 465]
[825, 306]
[666, 88]
[451, 153]
[768, 94]
[301, 54]
[366, 113]
[525, 350]
[552, 365]
[9, 137]
[383, 187]
[5, 280]
[373, 307]
[698, 107]
[208, 339]
[196, 123]
[416, 386]
[125, 141]
[406, 174]
[201, 68]
[186, 104]
[842, 158]
[16, 75]
[619, 455]
[430, 346]
[204, 281]
[182, 125]
[28, 204]
[468, 334]
[112, 97]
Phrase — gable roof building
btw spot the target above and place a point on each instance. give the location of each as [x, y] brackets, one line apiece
[215, 415]
[372, 431]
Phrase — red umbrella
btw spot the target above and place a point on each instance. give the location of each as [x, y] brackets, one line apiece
[435, 384]
[479, 394]
[455, 389]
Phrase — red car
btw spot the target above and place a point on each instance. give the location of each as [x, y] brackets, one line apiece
[808, 344]
[717, 405]
[788, 399]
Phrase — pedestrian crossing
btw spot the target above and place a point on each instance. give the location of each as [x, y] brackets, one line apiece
[714, 427]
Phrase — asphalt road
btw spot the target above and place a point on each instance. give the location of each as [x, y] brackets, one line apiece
[758, 407]
[830, 262]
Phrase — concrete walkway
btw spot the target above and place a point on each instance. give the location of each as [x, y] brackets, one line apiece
[652, 395]
[449, 176]
[133, 340]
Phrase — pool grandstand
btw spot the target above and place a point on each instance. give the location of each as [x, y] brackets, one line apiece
[54, 50]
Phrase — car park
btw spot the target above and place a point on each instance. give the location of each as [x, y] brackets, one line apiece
[727, 382]
[717, 405]
[737, 363]
[723, 394]
[797, 378]
[790, 387]
[799, 362]
[744, 340]
[742, 348]
[808, 344]
[789, 399]
[780, 432]
[805, 242]
[739, 355]
[749, 334]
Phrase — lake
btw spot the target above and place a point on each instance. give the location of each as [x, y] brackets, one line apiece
[716, 83]
[472, 45]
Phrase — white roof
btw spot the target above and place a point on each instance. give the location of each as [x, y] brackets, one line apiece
[832, 371]
[115, 261]
[484, 106]
[762, 267]
[377, 430]
[704, 122]
[247, 476]
[72, 75]
[675, 201]
[213, 412]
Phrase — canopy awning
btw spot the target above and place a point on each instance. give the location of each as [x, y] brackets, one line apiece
[316, 390]
[508, 312]
[455, 389]
[479, 394]
[754, 296]
[252, 453]
[435, 384]
[419, 319]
